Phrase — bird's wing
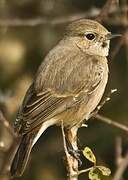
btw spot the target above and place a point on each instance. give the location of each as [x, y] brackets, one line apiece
[37, 108]
[62, 94]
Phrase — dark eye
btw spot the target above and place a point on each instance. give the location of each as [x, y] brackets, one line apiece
[90, 36]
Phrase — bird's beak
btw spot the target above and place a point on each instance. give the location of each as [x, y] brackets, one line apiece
[111, 36]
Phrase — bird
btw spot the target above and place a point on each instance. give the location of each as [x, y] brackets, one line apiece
[68, 86]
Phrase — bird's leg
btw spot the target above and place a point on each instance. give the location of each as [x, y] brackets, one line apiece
[72, 151]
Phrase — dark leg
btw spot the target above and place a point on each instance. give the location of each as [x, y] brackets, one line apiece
[73, 152]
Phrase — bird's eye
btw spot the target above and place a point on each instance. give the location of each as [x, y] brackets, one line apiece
[90, 36]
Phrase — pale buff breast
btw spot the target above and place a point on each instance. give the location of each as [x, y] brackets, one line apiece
[95, 97]
[81, 111]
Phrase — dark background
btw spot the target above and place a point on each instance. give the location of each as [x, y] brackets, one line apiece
[22, 49]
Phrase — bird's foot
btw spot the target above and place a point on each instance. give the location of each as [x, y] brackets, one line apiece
[76, 155]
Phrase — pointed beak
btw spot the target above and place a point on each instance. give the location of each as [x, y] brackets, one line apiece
[111, 36]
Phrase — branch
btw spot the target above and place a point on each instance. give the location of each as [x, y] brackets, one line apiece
[122, 161]
[111, 122]
[91, 13]
[106, 10]
[122, 40]
[6, 124]
[8, 157]
[118, 151]
[9, 154]
[72, 163]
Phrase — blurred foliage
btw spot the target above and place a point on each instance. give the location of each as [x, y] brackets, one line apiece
[22, 48]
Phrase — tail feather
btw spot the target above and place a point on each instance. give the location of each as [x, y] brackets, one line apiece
[22, 155]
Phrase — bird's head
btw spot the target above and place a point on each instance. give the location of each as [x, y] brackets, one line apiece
[90, 36]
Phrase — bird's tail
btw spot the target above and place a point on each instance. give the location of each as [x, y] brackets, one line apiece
[22, 155]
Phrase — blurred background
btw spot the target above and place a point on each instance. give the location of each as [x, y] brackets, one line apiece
[28, 30]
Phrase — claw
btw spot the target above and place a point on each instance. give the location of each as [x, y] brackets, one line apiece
[76, 155]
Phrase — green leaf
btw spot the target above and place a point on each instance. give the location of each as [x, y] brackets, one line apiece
[94, 174]
[105, 171]
[87, 152]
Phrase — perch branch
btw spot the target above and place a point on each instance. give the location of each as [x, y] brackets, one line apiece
[72, 163]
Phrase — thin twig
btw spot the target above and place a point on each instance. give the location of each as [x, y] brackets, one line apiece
[8, 157]
[50, 21]
[111, 122]
[92, 13]
[106, 10]
[122, 167]
[9, 154]
[84, 170]
[118, 151]
[120, 43]
[6, 124]
[102, 103]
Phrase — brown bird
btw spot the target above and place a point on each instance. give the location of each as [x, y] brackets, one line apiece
[68, 86]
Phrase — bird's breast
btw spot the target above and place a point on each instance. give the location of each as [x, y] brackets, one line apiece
[95, 97]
